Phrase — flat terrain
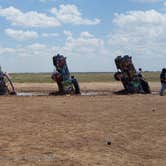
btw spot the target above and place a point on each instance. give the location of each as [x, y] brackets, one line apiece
[82, 77]
[102, 130]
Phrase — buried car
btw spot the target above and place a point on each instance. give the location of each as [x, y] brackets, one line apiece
[66, 84]
[132, 81]
[6, 84]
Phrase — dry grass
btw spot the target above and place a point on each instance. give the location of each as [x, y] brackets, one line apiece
[82, 77]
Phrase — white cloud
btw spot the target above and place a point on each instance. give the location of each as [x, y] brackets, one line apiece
[31, 58]
[86, 34]
[28, 19]
[21, 35]
[44, 1]
[47, 35]
[67, 33]
[71, 14]
[150, 17]
[65, 14]
[141, 34]
[6, 51]
[84, 50]
[32, 50]
[85, 44]
[146, 1]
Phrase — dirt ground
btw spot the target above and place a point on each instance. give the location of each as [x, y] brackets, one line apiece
[104, 130]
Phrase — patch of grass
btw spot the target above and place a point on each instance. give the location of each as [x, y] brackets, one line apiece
[82, 77]
[152, 76]
[31, 77]
[94, 77]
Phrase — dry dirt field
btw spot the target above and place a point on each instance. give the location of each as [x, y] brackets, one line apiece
[103, 130]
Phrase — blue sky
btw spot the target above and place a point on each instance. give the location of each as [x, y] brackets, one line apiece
[89, 33]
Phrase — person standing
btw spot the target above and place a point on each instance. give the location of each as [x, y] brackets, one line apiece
[140, 75]
[163, 81]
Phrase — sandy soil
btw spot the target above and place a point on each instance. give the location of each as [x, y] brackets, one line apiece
[109, 130]
[93, 86]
